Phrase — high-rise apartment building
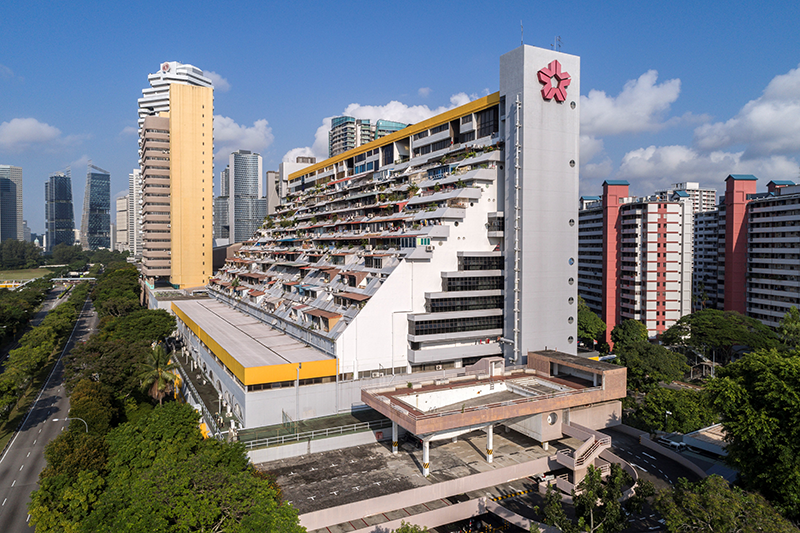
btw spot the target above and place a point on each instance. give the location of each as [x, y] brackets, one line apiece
[11, 226]
[26, 231]
[447, 242]
[96, 220]
[702, 199]
[59, 214]
[756, 268]
[135, 213]
[176, 150]
[122, 224]
[635, 257]
[350, 132]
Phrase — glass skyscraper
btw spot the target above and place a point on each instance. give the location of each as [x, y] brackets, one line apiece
[59, 216]
[11, 203]
[96, 220]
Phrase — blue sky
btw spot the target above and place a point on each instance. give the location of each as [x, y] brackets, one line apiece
[672, 91]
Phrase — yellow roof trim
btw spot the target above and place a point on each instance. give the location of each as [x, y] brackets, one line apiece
[477, 105]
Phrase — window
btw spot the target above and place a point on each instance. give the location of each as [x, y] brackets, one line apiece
[455, 325]
[438, 129]
[466, 120]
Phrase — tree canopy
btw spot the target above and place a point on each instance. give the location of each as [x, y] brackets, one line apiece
[649, 364]
[789, 329]
[590, 326]
[689, 410]
[628, 333]
[16, 254]
[713, 332]
[758, 398]
[711, 504]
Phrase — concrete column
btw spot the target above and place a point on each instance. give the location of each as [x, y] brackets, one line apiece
[426, 459]
[489, 443]
[394, 437]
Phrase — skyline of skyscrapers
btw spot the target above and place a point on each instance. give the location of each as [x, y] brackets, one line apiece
[59, 214]
[11, 226]
[96, 219]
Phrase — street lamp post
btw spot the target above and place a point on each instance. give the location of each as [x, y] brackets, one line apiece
[666, 414]
[297, 398]
[74, 418]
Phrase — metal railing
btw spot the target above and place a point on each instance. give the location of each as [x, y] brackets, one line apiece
[317, 434]
[209, 419]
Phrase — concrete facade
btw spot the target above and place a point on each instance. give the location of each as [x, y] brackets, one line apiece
[427, 250]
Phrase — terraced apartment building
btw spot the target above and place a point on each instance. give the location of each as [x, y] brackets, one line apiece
[424, 251]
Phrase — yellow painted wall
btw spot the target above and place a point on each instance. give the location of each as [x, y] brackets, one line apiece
[191, 145]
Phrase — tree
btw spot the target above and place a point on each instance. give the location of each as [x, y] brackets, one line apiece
[598, 503]
[149, 325]
[690, 410]
[405, 527]
[92, 402]
[628, 333]
[713, 333]
[711, 504]
[649, 364]
[789, 330]
[590, 326]
[64, 254]
[758, 398]
[158, 374]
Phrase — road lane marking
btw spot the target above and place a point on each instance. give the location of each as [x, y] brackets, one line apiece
[29, 517]
[639, 467]
[13, 482]
[648, 455]
[34, 440]
[29, 454]
[21, 467]
[4, 501]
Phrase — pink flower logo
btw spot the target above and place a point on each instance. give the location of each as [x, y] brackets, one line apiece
[559, 90]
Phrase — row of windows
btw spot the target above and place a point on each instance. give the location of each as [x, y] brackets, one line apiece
[439, 129]
[486, 283]
[455, 325]
[480, 263]
[444, 305]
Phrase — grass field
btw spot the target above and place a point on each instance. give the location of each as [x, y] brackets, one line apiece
[25, 274]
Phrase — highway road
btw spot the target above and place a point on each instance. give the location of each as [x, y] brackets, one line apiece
[50, 302]
[24, 459]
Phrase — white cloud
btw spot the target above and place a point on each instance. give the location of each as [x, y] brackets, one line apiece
[424, 91]
[220, 83]
[767, 125]
[6, 73]
[656, 167]
[639, 107]
[129, 130]
[394, 110]
[19, 134]
[230, 136]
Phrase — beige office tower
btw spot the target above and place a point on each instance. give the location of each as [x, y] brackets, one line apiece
[176, 157]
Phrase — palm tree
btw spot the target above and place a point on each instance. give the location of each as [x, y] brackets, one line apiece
[158, 374]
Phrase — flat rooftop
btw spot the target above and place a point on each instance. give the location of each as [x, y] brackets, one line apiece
[252, 350]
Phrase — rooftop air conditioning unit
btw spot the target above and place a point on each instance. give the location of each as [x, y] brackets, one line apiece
[429, 248]
[377, 374]
[438, 367]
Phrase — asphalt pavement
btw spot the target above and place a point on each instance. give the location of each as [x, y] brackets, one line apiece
[24, 458]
